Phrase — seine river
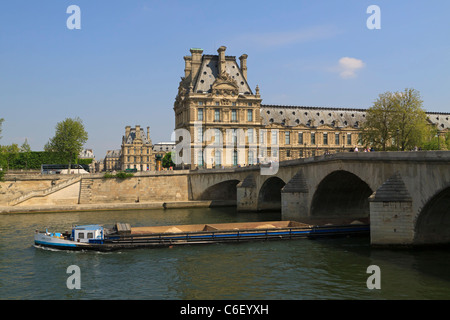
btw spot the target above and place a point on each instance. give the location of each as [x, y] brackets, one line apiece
[281, 270]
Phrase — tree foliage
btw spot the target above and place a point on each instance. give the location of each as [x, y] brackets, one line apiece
[70, 136]
[25, 149]
[167, 160]
[8, 155]
[396, 121]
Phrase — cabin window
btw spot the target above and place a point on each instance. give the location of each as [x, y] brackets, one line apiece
[90, 235]
[81, 235]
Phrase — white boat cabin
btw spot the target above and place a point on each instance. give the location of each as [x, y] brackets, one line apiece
[87, 232]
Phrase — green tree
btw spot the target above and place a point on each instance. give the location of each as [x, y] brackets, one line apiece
[70, 136]
[437, 141]
[396, 121]
[25, 149]
[410, 120]
[378, 126]
[9, 154]
[167, 160]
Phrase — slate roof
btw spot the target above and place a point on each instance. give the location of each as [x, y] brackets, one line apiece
[113, 153]
[209, 71]
[292, 116]
[133, 134]
[441, 120]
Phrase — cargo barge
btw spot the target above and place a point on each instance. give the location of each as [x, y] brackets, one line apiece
[123, 236]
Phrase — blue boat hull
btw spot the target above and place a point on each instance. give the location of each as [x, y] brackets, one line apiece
[154, 240]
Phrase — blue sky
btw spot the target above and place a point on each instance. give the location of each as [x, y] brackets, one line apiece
[124, 65]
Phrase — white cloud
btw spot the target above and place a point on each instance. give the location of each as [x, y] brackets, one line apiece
[349, 66]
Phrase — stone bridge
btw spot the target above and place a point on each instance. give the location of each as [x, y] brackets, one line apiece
[405, 195]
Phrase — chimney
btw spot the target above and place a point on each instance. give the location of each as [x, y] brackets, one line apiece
[127, 131]
[195, 62]
[138, 132]
[148, 134]
[221, 52]
[187, 66]
[243, 59]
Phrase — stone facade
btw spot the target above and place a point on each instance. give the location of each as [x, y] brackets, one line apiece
[137, 149]
[161, 148]
[112, 160]
[215, 104]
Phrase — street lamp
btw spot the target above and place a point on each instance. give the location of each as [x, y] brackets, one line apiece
[139, 180]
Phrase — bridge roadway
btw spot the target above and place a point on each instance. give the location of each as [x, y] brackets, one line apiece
[405, 195]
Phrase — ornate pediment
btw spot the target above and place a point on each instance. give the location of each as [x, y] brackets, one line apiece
[225, 85]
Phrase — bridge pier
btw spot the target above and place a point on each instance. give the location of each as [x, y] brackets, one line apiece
[295, 199]
[247, 195]
[391, 214]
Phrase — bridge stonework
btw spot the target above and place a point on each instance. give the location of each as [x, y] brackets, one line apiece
[405, 195]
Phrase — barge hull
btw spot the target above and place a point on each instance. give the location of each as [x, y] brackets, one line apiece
[154, 237]
[166, 240]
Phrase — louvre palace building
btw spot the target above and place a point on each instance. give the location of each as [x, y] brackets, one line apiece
[229, 126]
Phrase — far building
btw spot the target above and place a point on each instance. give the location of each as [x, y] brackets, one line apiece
[161, 148]
[136, 152]
[137, 149]
[112, 160]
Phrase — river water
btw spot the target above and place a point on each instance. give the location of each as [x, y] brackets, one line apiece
[301, 269]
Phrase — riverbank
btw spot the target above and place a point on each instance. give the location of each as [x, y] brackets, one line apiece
[116, 206]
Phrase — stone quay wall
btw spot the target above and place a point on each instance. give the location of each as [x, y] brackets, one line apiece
[32, 190]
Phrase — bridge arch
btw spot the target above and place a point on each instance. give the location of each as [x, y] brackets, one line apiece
[225, 190]
[269, 195]
[433, 222]
[341, 194]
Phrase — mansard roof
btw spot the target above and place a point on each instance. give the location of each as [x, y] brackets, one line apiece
[113, 153]
[133, 135]
[209, 73]
[439, 119]
[292, 116]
